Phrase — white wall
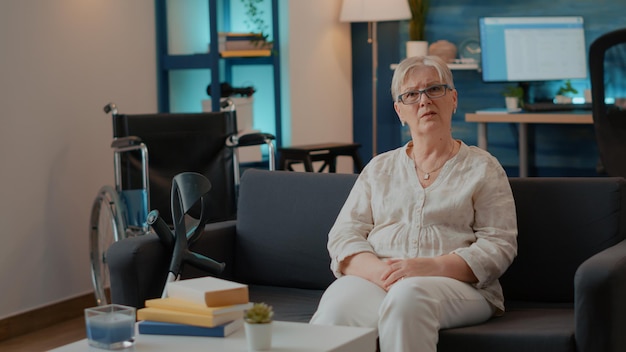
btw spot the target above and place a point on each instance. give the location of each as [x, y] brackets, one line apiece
[60, 62]
[320, 75]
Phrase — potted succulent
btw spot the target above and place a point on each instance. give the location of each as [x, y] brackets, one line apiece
[258, 326]
[513, 97]
[417, 44]
[564, 92]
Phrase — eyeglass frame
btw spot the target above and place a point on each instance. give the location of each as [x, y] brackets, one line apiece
[423, 91]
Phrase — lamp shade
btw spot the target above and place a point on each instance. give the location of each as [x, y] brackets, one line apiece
[374, 10]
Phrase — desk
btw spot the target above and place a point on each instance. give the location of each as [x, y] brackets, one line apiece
[326, 152]
[523, 119]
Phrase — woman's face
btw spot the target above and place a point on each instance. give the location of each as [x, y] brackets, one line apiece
[428, 114]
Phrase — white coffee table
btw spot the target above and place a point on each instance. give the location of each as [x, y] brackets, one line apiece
[286, 336]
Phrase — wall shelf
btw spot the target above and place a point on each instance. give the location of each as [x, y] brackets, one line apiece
[464, 67]
[451, 66]
[196, 61]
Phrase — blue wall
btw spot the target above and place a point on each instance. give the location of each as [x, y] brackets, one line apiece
[556, 150]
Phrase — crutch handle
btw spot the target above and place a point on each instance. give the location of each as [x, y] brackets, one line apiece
[161, 229]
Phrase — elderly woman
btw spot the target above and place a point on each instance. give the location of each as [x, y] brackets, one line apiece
[427, 229]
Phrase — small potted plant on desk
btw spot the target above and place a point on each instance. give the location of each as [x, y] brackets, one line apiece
[514, 97]
[563, 95]
[258, 326]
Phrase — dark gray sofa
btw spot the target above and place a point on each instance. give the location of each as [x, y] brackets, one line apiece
[566, 290]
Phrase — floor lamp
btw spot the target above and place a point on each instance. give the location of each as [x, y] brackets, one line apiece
[374, 11]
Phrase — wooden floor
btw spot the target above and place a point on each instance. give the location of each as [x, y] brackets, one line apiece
[48, 338]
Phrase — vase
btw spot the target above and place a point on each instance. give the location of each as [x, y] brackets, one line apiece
[562, 99]
[416, 48]
[259, 336]
[512, 103]
[444, 49]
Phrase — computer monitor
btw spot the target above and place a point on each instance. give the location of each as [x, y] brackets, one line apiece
[531, 49]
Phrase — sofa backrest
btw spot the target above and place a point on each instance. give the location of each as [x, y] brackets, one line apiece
[283, 220]
[561, 222]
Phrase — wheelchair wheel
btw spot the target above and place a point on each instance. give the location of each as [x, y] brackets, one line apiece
[107, 225]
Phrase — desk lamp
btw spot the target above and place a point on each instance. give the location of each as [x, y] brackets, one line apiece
[374, 11]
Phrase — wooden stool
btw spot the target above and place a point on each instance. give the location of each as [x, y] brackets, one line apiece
[326, 152]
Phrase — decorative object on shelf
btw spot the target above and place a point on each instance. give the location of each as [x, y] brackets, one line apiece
[243, 44]
[373, 11]
[514, 98]
[469, 51]
[416, 48]
[563, 95]
[444, 49]
[258, 326]
[256, 23]
[417, 44]
[226, 90]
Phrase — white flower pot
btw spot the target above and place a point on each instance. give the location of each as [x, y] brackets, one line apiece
[512, 103]
[416, 48]
[562, 99]
[259, 336]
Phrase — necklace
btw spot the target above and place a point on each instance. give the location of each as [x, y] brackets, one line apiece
[427, 174]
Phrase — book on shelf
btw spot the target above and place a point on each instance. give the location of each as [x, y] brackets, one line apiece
[246, 53]
[242, 41]
[181, 305]
[162, 328]
[171, 316]
[209, 291]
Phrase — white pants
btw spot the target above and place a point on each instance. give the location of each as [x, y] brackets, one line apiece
[409, 315]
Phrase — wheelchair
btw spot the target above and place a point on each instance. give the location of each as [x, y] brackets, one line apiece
[149, 150]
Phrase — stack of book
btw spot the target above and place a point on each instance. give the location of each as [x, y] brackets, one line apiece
[243, 44]
[205, 306]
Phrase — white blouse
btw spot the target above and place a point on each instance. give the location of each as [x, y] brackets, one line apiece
[468, 210]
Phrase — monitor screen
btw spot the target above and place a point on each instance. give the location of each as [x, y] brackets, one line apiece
[525, 49]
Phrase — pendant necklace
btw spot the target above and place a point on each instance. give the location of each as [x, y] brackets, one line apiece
[427, 174]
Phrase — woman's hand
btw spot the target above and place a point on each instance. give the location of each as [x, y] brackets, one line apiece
[366, 265]
[450, 265]
[401, 268]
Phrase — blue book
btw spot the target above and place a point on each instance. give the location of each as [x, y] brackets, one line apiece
[149, 327]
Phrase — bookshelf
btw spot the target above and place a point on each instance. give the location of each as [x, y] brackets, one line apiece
[221, 68]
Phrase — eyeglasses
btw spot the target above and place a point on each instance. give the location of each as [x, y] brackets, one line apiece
[432, 92]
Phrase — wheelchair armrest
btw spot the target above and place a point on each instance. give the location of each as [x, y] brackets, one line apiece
[249, 139]
[600, 304]
[123, 142]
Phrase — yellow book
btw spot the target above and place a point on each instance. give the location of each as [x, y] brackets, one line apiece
[246, 53]
[209, 291]
[171, 316]
[181, 305]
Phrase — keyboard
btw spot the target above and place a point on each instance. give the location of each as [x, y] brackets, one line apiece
[549, 106]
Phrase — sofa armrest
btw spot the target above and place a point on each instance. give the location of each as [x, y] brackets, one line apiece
[217, 242]
[138, 268]
[139, 265]
[600, 301]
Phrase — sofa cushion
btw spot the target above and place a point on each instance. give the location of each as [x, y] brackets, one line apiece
[290, 304]
[540, 329]
[560, 226]
[282, 227]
